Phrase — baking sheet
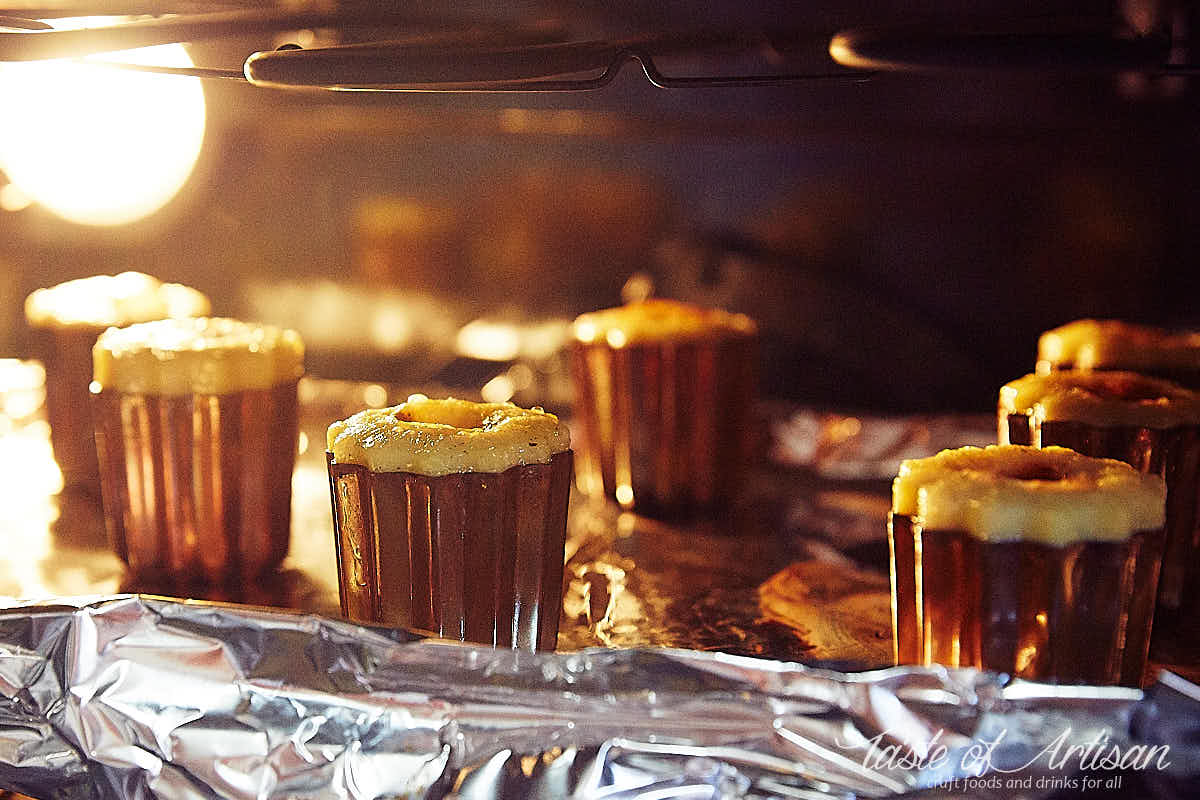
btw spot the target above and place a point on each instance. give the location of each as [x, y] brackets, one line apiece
[768, 579]
[631, 581]
[797, 575]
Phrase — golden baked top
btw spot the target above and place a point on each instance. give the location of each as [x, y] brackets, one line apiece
[201, 355]
[1113, 344]
[104, 300]
[1102, 399]
[659, 320]
[1005, 493]
[444, 436]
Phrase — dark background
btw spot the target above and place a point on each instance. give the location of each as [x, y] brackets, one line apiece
[902, 241]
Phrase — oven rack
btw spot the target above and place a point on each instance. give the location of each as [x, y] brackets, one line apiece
[433, 53]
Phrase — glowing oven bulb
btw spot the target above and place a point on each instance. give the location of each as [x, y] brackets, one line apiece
[99, 145]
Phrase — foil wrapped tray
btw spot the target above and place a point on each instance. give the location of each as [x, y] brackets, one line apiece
[632, 581]
[137, 697]
[695, 658]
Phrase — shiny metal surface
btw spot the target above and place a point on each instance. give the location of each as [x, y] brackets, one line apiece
[665, 427]
[1173, 453]
[629, 581]
[1079, 613]
[473, 557]
[198, 487]
[137, 697]
[798, 573]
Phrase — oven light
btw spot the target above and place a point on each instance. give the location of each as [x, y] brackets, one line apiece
[488, 341]
[97, 145]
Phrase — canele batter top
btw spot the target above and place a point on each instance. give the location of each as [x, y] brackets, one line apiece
[659, 320]
[1113, 344]
[1102, 399]
[1007, 493]
[444, 436]
[203, 355]
[103, 300]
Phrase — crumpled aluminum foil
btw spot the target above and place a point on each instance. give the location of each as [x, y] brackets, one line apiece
[139, 697]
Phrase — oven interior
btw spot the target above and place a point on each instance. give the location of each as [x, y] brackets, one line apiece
[902, 223]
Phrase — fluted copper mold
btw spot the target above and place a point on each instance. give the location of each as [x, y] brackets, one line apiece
[665, 427]
[471, 556]
[66, 353]
[1081, 613]
[1173, 453]
[198, 487]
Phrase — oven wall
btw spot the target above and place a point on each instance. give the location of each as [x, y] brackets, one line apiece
[902, 240]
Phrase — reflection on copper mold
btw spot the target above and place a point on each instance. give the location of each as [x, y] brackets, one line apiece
[198, 486]
[1173, 453]
[1024, 608]
[470, 556]
[664, 427]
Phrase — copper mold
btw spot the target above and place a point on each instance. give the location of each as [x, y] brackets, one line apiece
[1081, 613]
[470, 556]
[1173, 453]
[198, 487]
[664, 427]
